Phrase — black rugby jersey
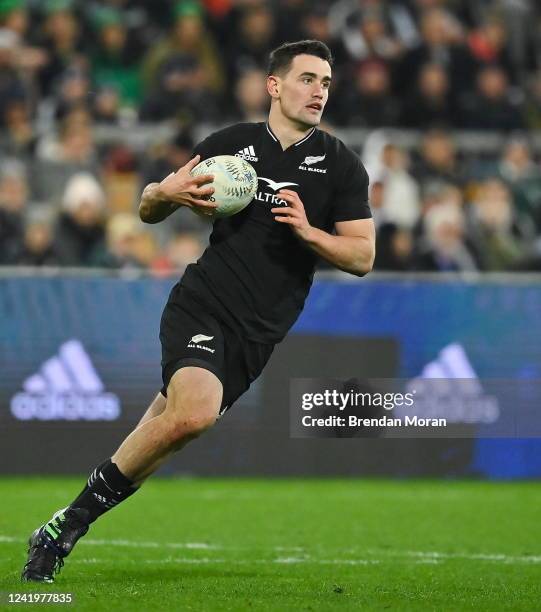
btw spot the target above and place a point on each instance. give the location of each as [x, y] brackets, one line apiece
[256, 273]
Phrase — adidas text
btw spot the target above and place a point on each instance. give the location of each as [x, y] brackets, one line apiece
[67, 387]
[248, 153]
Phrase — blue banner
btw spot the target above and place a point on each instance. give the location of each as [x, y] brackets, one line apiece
[78, 349]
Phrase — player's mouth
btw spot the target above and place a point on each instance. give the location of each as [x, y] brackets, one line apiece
[315, 106]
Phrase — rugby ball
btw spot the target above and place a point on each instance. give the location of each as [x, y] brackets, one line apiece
[235, 183]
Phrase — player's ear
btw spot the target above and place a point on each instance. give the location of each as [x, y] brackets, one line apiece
[273, 86]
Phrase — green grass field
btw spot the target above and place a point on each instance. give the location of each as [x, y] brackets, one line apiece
[291, 545]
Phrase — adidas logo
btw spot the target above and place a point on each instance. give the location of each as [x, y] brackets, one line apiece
[67, 387]
[196, 340]
[248, 153]
[448, 387]
[452, 362]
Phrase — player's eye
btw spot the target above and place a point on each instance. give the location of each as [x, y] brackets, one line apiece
[326, 84]
[307, 80]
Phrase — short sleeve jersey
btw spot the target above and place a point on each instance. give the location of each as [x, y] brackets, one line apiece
[255, 273]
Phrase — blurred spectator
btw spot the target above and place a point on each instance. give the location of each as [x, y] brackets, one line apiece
[182, 249]
[14, 20]
[124, 234]
[80, 232]
[18, 138]
[14, 17]
[61, 38]
[516, 163]
[106, 105]
[251, 39]
[492, 106]
[522, 175]
[366, 100]
[12, 88]
[432, 104]
[346, 16]
[252, 100]
[440, 44]
[438, 162]
[189, 39]
[72, 91]
[74, 142]
[400, 202]
[444, 247]
[13, 202]
[315, 24]
[488, 44]
[61, 155]
[38, 247]
[180, 93]
[395, 249]
[493, 228]
[115, 60]
[369, 39]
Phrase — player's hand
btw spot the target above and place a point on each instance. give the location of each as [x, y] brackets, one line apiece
[293, 214]
[183, 189]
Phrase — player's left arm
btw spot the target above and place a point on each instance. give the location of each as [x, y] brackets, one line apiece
[352, 249]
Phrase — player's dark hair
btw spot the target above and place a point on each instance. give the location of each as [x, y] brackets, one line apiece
[280, 59]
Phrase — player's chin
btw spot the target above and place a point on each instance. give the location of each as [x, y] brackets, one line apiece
[311, 119]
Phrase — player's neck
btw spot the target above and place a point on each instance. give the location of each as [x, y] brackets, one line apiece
[287, 132]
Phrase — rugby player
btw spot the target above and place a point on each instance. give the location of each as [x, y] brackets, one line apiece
[230, 309]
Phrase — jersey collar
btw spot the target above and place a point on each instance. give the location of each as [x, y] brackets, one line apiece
[296, 144]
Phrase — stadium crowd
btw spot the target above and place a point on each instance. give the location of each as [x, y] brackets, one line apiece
[70, 67]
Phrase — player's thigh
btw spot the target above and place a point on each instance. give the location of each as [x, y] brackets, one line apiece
[194, 397]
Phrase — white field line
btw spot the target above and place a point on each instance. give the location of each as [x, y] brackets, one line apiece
[421, 556]
[458, 555]
[207, 560]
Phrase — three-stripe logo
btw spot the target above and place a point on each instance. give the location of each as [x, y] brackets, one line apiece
[248, 153]
[448, 387]
[66, 387]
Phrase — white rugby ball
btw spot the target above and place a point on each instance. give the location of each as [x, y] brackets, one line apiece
[235, 183]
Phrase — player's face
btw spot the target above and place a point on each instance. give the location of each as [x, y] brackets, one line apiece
[303, 91]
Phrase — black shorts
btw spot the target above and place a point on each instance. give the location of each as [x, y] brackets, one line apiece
[191, 335]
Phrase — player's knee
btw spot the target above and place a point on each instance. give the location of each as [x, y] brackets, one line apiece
[190, 415]
[193, 403]
[185, 428]
[195, 425]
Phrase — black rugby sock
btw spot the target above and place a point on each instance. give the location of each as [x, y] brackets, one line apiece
[93, 476]
[106, 488]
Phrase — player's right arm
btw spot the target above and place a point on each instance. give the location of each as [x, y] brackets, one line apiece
[159, 200]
